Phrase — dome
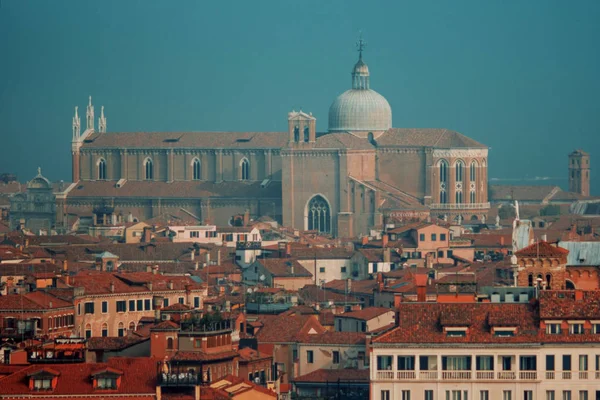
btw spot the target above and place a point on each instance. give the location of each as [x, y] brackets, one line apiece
[360, 109]
[39, 182]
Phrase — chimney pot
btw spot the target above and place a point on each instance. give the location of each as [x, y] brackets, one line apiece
[112, 287]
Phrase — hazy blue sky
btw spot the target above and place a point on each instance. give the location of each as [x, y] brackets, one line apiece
[519, 76]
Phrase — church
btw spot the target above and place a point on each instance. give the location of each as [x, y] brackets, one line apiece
[359, 174]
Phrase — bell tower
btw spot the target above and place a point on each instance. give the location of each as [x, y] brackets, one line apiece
[579, 172]
[302, 127]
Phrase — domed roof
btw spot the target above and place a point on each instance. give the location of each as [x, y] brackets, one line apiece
[360, 109]
[39, 182]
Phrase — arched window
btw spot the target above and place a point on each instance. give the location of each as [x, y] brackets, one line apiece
[548, 282]
[101, 169]
[88, 331]
[170, 343]
[443, 181]
[318, 215]
[104, 329]
[296, 134]
[459, 197]
[306, 135]
[460, 166]
[148, 169]
[244, 169]
[196, 169]
[472, 197]
[121, 330]
[132, 326]
[473, 173]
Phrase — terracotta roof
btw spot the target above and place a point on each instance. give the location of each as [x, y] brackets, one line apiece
[197, 140]
[520, 192]
[376, 255]
[342, 141]
[563, 305]
[314, 294]
[113, 343]
[366, 314]
[202, 356]
[419, 137]
[96, 282]
[177, 189]
[285, 328]
[360, 287]
[177, 307]
[333, 338]
[321, 253]
[282, 267]
[139, 377]
[32, 301]
[335, 375]
[248, 354]
[542, 249]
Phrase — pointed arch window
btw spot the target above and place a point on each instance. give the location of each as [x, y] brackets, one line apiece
[460, 166]
[148, 169]
[319, 215]
[443, 181]
[472, 197]
[101, 169]
[245, 169]
[473, 175]
[196, 169]
[459, 197]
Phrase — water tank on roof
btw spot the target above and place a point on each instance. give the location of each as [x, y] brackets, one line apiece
[509, 298]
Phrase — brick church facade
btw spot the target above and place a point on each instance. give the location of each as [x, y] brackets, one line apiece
[343, 181]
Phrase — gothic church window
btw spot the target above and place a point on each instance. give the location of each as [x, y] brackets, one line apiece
[197, 171]
[101, 169]
[244, 170]
[459, 184]
[443, 181]
[473, 171]
[148, 169]
[319, 215]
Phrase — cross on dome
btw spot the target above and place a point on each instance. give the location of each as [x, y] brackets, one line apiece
[360, 45]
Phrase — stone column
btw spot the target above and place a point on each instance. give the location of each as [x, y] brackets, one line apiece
[123, 155]
[218, 166]
[170, 172]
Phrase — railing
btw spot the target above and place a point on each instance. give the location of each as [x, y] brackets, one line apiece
[428, 374]
[385, 375]
[456, 375]
[460, 206]
[406, 375]
[484, 374]
[507, 375]
[528, 375]
[179, 379]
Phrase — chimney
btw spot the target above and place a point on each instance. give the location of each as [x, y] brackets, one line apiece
[207, 258]
[246, 217]
[364, 240]
[148, 268]
[147, 234]
[170, 285]
[65, 265]
[501, 240]
[196, 266]
[384, 240]
[150, 286]
[112, 287]
[292, 268]
[155, 270]
[219, 257]
[193, 255]
[544, 238]
[386, 254]
[349, 285]
[288, 249]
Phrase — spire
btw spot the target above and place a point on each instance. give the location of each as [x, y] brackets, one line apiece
[102, 121]
[360, 74]
[76, 125]
[90, 116]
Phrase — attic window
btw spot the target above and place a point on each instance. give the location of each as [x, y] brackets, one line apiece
[460, 331]
[88, 141]
[243, 140]
[106, 382]
[171, 140]
[42, 383]
[505, 332]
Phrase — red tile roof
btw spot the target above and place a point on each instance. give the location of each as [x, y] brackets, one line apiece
[334, 338]
[542, 249]
[139, 377]
[113, 343]
[366, 314]
[202, 356]
[284, 267]
[335, 375]
[562, 304]
[285, 328]
[247, 354]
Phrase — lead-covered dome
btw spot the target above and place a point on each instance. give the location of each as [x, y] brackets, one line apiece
[360, 109]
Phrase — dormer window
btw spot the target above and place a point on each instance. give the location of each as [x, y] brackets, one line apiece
[553, 328]
[505, 331]
[107, 379]
[595, 327]
[44, 379]
[576, 327]
[460, 331]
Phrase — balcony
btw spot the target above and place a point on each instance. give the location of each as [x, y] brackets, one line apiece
[468, 375]
[385, 375]
[506, 375]
[179, 380]
[460, 206]
[402, 375]
[484, 375]
[527, 375]
[428, 375]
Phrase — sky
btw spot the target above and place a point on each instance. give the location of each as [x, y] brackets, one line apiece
[519, 76]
